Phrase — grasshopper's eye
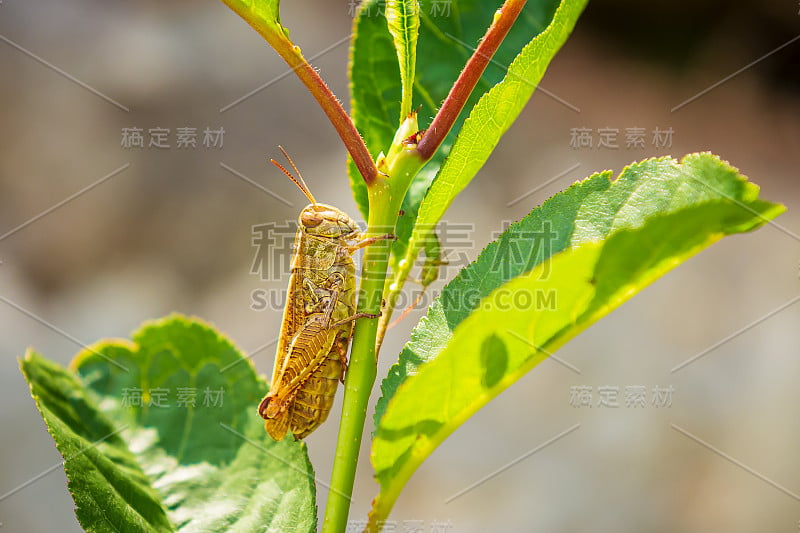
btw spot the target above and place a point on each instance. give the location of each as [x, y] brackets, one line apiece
[310, 219]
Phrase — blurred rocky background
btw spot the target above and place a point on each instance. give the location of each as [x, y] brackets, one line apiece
[96, 238]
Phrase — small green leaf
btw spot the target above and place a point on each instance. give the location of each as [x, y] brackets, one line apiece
[494, 113]
[184, 399]
[548, 277]
[402, 17]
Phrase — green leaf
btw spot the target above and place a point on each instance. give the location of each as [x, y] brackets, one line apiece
[106, 481]
[548, 277]
[402, 17]
[448, 30]
[491, 117]
[183, 400]
[261, 13]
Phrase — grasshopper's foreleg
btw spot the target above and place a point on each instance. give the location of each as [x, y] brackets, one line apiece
[370, 240]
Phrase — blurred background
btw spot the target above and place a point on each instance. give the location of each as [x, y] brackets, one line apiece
[96, 237]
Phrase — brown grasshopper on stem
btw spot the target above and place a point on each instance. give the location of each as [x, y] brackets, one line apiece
[318, 318]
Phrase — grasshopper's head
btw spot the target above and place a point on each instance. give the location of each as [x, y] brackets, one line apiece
[319, 219]
[326, 221]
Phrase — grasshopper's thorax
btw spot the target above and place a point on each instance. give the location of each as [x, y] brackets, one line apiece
[327, 221]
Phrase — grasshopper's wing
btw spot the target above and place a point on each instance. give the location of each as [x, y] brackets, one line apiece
[293, 311]
[310, 254]
[293, 319]
[307, 352]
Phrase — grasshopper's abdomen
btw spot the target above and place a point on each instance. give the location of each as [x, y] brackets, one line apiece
[315, 397]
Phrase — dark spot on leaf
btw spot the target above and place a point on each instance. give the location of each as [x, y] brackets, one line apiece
[419, 429]
[494, 358]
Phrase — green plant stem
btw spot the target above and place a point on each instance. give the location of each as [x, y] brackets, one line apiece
[360, 377]
[386, 197]
[504, 18]
[276, 36]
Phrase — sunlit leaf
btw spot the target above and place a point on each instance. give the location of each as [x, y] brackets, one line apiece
[548, 277]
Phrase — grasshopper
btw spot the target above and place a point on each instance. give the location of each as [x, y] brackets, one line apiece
[318, 318]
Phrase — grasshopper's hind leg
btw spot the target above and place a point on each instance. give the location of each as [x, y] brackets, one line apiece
[343, 342]
[355, 317]
[341, 349]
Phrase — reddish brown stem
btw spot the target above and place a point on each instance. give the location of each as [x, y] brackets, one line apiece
[469, 77]
[340, 120]
[273, 33]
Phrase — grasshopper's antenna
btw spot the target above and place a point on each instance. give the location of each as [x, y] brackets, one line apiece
[299, 181]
